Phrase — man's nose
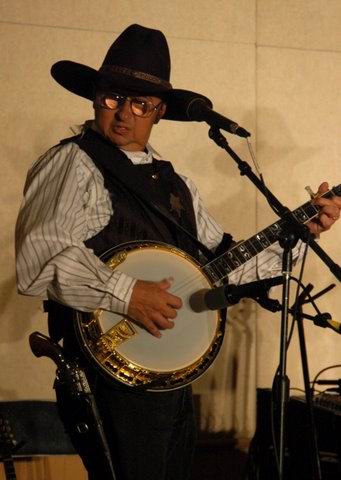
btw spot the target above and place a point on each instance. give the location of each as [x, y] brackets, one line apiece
[124, 110]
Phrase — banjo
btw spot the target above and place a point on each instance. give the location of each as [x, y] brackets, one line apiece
[124, 351]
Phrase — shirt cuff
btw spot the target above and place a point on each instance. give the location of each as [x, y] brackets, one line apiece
[121, 286]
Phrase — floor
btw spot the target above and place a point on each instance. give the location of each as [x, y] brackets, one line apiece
[218, 458]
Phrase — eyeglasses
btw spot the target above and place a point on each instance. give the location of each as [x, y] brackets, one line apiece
[138, 106]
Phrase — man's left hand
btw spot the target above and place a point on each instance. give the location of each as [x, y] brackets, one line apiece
[329, 211]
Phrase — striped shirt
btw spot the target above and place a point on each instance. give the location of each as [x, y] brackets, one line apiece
[65, 203]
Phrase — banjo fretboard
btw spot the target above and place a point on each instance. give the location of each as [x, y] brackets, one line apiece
[221, 267]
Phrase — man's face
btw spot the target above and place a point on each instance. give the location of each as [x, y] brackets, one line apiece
[123, 128]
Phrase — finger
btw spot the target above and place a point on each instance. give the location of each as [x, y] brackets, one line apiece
[174, 302]
[161, 321]
[169, 312]
[331, 210]
[169, 298]
[166, 283]
[153, 320]
[324, 222]
[151, 327]
[323, 188]
[315, 228]
[322, 201]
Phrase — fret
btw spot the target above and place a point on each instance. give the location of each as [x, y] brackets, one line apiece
[211, 272]
[256, 245]
[301, 215]
[228, 261]
[244, 252]
[311, 210]
[274, 230]
[233, 258]
[238, 255]
[251, 248]
[306, 212]
[219, 269]
[270, 234]
[263, 239]
[223, 261]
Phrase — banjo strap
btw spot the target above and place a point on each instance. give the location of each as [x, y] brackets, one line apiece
[147, 205]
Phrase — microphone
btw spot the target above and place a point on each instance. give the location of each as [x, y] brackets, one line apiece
[325, 320]
[226, 295]
[199, 109]
[336, 326]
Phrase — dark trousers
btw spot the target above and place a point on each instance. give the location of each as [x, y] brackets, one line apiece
[151, 435]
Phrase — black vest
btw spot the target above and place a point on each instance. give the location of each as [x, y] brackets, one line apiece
[127, 184]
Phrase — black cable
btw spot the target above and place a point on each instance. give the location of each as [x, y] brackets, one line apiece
[320, 372]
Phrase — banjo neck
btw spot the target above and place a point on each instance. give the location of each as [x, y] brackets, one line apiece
[219, 268]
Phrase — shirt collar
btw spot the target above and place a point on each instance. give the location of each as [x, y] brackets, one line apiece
[142, 158]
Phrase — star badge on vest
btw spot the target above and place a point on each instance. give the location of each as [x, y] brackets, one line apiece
[175, 204]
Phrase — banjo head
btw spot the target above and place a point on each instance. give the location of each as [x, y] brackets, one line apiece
[125, 351]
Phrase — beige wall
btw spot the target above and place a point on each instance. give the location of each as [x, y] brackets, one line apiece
[274, 66]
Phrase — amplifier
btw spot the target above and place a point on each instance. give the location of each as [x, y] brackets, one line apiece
[298, 458]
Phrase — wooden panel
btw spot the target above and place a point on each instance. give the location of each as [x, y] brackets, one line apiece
[66, 467]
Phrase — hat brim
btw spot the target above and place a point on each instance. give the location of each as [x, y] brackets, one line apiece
[82, 80]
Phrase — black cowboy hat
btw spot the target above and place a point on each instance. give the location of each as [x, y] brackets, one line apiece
[138, 62]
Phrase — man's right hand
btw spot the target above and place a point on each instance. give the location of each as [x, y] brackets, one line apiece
[152, 306]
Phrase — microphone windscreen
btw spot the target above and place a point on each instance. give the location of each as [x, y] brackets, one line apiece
[197, 301]
[216, 299]
[178, 101]
[196, 109]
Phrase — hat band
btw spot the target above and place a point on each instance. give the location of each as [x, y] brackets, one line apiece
[136, 74]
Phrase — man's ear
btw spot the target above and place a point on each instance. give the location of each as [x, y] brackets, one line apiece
[160, 113]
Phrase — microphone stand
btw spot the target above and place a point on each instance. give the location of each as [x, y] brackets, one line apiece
[282, 383]
[291, 233]
[316, 465]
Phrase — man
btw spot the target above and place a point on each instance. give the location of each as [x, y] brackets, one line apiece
[92, 192]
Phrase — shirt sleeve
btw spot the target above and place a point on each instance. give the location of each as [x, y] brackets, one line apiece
[64, 204]
[209, 231]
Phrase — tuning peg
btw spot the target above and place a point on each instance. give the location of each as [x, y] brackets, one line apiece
[311, 193]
